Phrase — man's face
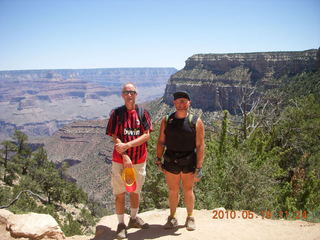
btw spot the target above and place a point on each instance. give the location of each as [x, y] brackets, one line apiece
[129, 93]
[182, 103]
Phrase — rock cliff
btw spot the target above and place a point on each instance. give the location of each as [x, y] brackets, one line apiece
[219, 81]
[85, 147]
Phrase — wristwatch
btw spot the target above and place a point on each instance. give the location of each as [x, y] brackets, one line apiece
[198, 172]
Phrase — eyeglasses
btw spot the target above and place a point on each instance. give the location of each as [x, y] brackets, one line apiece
[129, 92]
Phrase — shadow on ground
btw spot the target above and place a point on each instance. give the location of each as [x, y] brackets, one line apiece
[153, 232]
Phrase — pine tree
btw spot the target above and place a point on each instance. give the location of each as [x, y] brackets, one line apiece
[8, 173]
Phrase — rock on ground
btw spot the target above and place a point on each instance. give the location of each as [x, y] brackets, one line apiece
[31, 226]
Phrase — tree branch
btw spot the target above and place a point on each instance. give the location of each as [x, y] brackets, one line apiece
[18, 196]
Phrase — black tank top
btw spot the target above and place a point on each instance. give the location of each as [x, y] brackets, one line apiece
[180, 135]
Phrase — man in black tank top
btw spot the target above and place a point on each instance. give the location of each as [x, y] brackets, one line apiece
[181, 144]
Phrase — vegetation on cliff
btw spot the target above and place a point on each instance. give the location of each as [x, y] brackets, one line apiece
[268, 161]
[32, 183]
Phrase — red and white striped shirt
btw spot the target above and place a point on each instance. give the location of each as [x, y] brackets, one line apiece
[129, 129]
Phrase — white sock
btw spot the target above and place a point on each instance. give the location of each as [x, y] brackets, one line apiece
[134, 212]
[120, 218]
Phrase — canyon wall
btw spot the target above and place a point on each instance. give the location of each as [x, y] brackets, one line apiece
[219, 81]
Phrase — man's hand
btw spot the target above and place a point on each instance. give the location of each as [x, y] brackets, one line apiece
[195, 179]
[127, 163]
[198, 174]
[159, 164]
[121, 147]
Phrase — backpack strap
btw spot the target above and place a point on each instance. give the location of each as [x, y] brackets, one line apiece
[142, 118]
[168, 117]
[118, 117]
[192, 119]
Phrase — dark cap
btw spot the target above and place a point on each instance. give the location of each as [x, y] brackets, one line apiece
[181, 94]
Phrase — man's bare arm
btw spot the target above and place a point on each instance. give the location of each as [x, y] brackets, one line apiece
[122, 147]
[161, 139]
[126, 159]
[200, 145]
[115, 139]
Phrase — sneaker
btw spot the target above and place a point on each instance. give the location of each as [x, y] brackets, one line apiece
[172, 222]
[121, 231]
[137, 223]
[190, 224]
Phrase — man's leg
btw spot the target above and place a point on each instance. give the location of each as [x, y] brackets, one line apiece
[118, 189]
[173, 183]
[119, 202]
[187, 185]
[119, 193]
[135, 221]
[134, 204]
[135, 196]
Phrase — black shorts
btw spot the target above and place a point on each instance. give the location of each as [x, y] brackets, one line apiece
[176, 166]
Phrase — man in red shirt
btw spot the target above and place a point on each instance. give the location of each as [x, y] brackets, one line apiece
[129, 134]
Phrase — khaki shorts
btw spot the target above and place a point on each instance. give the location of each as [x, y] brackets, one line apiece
[118, 184]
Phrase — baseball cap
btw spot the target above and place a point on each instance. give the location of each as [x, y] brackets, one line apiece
[129, 178]
[181, 94]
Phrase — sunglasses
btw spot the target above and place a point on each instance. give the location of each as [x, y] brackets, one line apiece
[129, 92]
[181, 100]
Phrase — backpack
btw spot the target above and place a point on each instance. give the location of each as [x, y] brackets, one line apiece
[192, 120]
[119, 114]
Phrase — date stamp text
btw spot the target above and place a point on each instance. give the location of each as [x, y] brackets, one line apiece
[264, 214]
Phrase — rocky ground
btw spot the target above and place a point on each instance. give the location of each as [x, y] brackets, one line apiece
[207, 228]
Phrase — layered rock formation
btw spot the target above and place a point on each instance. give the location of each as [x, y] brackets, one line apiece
[220, 81]
[39, 102]
[85, 147]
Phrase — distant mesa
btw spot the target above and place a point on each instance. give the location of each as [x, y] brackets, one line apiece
[218, 81]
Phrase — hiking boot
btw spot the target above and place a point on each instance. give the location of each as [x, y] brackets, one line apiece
[190, 224]
[172, 222]
[137, 223]
[121, 231]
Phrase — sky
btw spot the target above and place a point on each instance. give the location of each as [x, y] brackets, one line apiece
[73, 34]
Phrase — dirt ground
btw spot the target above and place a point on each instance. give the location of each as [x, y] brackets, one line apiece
[236, 228]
